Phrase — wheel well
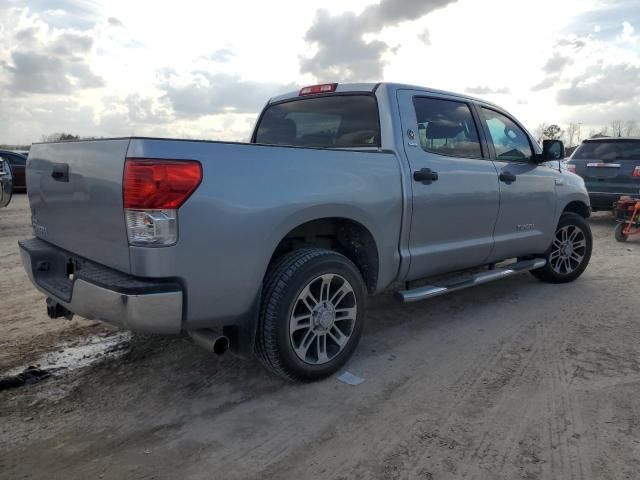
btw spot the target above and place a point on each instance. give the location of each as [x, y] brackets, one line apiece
[345, 236]
[578, 207]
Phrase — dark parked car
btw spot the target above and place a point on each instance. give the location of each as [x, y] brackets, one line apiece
[18, 166]
[6, 183]
[610, 168]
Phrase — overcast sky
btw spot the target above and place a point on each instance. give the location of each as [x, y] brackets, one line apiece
[204, 69]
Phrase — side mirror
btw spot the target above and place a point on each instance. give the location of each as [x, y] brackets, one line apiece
[552, 150]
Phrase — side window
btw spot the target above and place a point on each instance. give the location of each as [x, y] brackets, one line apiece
[17, 160]
[509, 140]
[446, 127]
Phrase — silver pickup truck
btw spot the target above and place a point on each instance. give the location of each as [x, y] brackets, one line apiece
[272, 247]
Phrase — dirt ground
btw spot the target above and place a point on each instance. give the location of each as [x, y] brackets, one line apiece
[514, 379]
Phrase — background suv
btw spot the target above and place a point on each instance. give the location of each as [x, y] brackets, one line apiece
[610, 168]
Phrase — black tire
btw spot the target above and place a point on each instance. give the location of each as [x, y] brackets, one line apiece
[619, 232]
[548, 273]
[285, 281]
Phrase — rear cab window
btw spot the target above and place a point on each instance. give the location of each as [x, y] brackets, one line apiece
[332, 121]
[608, 150]
[446, 127]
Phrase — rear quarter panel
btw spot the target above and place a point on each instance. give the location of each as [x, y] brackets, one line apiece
[251, 196]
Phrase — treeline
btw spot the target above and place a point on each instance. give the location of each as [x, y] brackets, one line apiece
[52, 137]
[573, 133]
[64, 137]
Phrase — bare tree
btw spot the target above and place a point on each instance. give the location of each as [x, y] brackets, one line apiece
[630, 128]
[539, 131]
[574, 134]
[553, 132]
[616, 128]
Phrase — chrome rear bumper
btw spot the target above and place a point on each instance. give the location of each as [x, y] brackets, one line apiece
[97, 292]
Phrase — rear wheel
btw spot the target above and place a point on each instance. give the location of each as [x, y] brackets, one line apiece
[619, 232]
[312, 313]
[570, 251]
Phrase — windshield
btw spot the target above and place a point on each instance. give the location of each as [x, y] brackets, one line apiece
[609, 150]
[339, 121]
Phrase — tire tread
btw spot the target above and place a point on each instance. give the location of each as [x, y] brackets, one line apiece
[276, 283]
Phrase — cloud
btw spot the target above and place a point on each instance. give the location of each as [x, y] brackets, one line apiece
[603, 84]
[221, 55]
[604, 22]
[71, 44]
[342, 52]
[33, 72]
[485, 90]
[602, 114]
[147, 109]
[556, 63]
[572, 41]
[425, 37]
[205, 93]
[134, 113]
[46, 60]
[27, 36]
[76, 14]
[545, 83]
[114, 22]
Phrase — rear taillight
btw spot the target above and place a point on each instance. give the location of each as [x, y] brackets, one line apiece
[153, 190]
[571, 168]
[636, 172]
[159, 184]
[313, 89]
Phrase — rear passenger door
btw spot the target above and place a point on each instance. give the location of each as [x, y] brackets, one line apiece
[454, 185]
[527, 189]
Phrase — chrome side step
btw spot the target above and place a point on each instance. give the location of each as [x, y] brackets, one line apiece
[466, 281]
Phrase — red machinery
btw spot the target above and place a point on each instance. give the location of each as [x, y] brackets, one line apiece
[627, 212]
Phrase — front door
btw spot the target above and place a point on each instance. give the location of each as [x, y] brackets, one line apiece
[455, 188]
[526, 223]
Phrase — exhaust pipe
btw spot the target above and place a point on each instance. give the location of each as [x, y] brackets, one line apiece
[55, 310]
[210, 340]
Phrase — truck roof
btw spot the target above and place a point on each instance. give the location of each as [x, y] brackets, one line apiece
[391, 86]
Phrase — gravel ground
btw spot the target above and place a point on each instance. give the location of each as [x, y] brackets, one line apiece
[514, 379]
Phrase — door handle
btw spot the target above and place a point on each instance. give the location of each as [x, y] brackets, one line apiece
[60, 172]
[507, 177]
[425, 175]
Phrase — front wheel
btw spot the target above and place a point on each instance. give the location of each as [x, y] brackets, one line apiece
[313, 308]
[570, 251]
[619, 232]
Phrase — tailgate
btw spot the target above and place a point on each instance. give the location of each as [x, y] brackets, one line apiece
[614, 177]
[596, 170]
[75, 193]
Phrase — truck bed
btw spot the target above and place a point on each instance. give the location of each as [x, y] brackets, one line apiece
[250, 197]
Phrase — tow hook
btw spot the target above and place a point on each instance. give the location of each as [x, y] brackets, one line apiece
[55, 310]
